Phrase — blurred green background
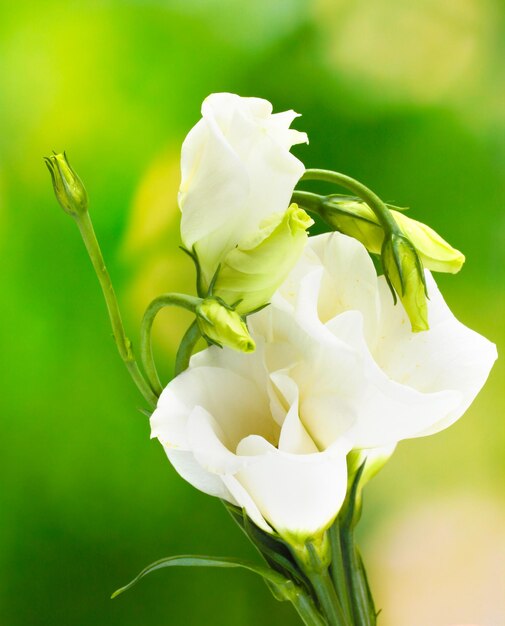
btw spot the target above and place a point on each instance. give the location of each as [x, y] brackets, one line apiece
[408, 97]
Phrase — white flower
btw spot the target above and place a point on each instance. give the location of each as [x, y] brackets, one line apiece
[236, 171]
[398, 384]
[227, 433]
[337, 367]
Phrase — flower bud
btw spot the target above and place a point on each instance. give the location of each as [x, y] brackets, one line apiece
[68, 187]
[223, 326]
[356, 219]
[237, 170]
[405, 276]
[252, 272]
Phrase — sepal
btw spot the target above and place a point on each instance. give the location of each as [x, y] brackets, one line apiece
[404, 274]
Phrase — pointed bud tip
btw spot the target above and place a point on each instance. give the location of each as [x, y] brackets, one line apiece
[404, 273]
[68, 187]
[248, 346]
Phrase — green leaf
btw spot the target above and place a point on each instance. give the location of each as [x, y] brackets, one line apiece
[282, 584]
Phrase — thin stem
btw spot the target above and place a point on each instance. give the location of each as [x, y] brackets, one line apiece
[314, 564]
[323, 586]
[123, 344]
[307, 200]
[307, 610]
[363, 606]
[338, 572]
[146, 352]
[374, 202]
[188, 343]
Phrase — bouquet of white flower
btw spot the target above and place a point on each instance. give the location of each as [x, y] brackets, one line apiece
[313, 370]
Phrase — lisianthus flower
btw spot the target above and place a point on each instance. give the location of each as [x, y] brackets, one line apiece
[236, 172]
[223, 431]
[337, 367]
[407, 384]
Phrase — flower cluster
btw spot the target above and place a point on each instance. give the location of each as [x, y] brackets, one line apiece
[337, 366]
[323, 352]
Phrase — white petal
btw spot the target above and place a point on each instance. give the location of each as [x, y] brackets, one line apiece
[188, 468]
[294, 437]
[214, 189]
[236, 171]
[244, 500]
[299, 495]
[325, 413]
[328, 373]
[238, 404]
[349, 281]
[386, 411]
[249, 366]
[168, 421]
[449, 356]
[209, 444]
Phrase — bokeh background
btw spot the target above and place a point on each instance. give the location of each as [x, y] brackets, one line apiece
[408, 97]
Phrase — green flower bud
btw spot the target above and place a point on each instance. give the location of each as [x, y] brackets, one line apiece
[68, 187]
[252, 272]
[223, 326]
[405, 276]
[356, 219]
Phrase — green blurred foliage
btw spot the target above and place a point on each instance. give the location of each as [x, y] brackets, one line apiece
[407, 97]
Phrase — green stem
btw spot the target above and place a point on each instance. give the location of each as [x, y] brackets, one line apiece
[338, 572]
[123, 344]
[315, 567]
[323, 586]
[307, 610]
[362, 602]
[307, 200]
[188, 343]
[367, 195]
[146, 352]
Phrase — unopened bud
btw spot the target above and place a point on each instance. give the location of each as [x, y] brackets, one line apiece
[223, 326]
[405, 276]
[68, 187]
[252, 272]
[356, 219]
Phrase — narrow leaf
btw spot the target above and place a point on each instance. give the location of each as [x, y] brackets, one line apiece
[206, 561]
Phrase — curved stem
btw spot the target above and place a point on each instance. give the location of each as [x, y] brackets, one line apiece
[191, 336]
[123, 344]
[146, 352]
[307, 200]
[374, 202]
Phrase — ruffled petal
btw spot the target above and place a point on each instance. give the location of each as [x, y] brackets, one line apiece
[298, 494]
[236, 171]
[449, 356]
